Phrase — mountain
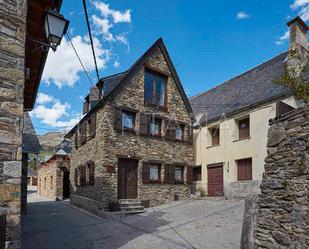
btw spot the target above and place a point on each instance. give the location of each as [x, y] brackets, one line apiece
[50, 140]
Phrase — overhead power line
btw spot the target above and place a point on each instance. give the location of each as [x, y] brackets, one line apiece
[80, 61]
[91, 41]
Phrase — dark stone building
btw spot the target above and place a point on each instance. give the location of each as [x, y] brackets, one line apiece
[135, 140]
[21, 66]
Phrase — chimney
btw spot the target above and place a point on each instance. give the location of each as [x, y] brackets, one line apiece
[298, 50]
[94, 96]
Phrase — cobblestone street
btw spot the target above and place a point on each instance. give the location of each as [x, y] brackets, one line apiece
[210, 223]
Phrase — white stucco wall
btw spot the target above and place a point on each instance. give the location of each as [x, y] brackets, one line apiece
[232, 149]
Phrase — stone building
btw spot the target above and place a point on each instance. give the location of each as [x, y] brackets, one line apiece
[20, 74]
[134, 141]
[54, 177]
[231, 134]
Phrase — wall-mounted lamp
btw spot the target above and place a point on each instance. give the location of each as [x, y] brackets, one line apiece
[55, 26]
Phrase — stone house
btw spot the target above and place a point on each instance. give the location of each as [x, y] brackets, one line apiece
[134, 141]
[231, 134]
[32, 179]
[54, 177]
[20, 74]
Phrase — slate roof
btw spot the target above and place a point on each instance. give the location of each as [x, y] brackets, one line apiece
[113, 83]
[32, 172]
[65, 145]
[30, 141]
[247, 90]
[61, 152]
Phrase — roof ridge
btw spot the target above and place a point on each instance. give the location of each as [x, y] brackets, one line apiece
[263, 64]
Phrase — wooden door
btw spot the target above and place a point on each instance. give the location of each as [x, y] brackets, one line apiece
[127, 178]
[66, 185]
[215, 179]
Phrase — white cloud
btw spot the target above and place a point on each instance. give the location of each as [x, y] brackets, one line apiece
[117, 15]
[103, 27]
[54, 114]
[44, 98]
[242, 15]
[299, 3]
[116, 64]
[63, 67]
[283, 38]
[304, 13]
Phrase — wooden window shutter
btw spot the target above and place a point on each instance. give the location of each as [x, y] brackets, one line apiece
[93, 125]
[244, 169]
[167, 172]
[143, 124]
[244, 128]
[189, 174]
[146, 172]
[118, 119]
[172, 174]
[170, 127]
[189, 134]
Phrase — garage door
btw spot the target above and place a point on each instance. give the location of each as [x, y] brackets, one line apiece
[215, 179]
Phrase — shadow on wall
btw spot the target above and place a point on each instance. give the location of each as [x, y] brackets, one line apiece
[83, 231]
[102, 190]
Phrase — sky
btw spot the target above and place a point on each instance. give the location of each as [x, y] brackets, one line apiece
[209, 42]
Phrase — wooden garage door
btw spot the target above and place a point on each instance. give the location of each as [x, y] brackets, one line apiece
[215, 179]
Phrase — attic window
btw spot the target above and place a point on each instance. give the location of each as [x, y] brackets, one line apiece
[155, 88]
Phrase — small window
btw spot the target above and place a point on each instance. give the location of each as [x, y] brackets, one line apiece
[155, 88]
[128, 120]
[51, 182]
[215, 135]
[179, 174]
[45, 183]
[179, 132]
[244, 169]
[155, 173]
[155, 127]
[244, 128]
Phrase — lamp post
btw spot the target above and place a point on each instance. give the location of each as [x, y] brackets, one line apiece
[55, 26]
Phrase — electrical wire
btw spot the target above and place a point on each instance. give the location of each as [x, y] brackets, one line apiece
[80, 61]
[91, 41]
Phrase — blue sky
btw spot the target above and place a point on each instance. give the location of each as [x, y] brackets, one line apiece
[208, 41]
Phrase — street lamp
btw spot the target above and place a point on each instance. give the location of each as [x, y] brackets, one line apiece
[55, 26]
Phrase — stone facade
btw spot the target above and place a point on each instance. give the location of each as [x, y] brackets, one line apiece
[12, 54]
[109, 145]
[283, 207]
[50, 177]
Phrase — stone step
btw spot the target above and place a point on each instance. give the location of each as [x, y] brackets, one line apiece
[128, 201]
[135, 212]
[131, 207]
[137, 203]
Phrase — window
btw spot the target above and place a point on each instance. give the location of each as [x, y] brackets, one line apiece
[197, 173]
[244, 128]
[128, 120]
[45, 183]
[155, 88]
[51, 182]
[155, 127]
[215, 135]
[244, 169]
[179, 174]
[155, 173]
[179, 132]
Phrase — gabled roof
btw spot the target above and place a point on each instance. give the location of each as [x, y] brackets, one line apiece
[61, 152]
[30, 141]
[247, 90]
[112, 84]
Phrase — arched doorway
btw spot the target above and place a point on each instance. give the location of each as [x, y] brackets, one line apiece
[66, 184]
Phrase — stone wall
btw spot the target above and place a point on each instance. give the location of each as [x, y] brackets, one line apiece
[53, 175]
[12, 49]
[282, 214]
[108, 145]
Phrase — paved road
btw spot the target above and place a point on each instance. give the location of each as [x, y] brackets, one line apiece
[212, 224]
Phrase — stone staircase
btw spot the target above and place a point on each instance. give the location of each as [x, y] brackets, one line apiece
[131, 206]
